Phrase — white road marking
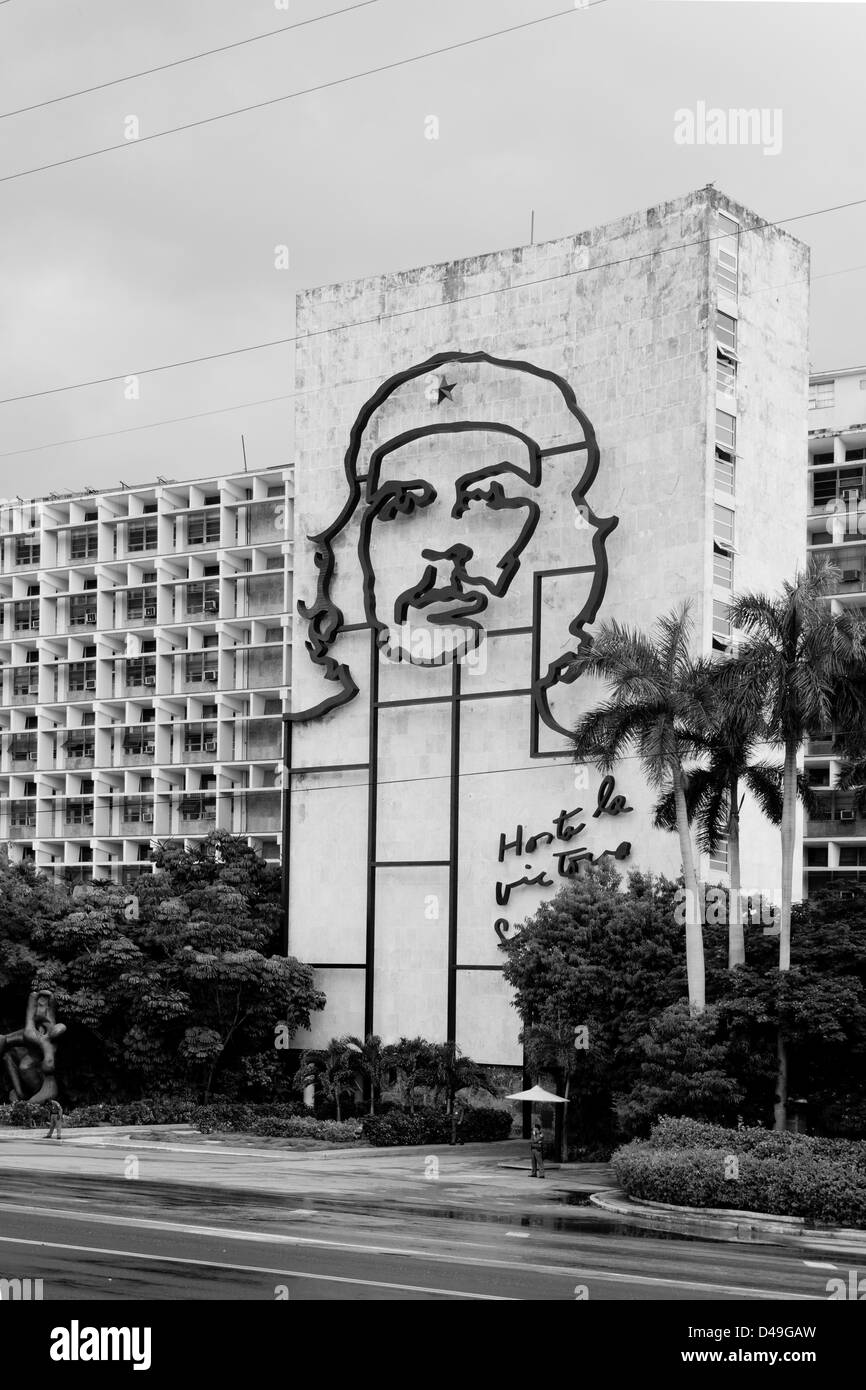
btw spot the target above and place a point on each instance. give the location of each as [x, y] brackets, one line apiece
[522, 1267]
[259, 1269]
[818, 1264]
[518, 1235]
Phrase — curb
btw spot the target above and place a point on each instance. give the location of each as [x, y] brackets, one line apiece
[719, 1223]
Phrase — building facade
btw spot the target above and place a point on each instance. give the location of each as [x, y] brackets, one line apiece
[492, 456]
[145, 665]
[835, 840]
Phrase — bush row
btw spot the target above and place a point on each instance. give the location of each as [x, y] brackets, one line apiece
[682, 1133]
[300, 1127]
[433, 1127]
[780, 1174]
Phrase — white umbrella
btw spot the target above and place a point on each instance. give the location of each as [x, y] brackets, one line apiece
[538, 1093]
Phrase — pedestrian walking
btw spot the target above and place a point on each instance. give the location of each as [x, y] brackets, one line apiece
[56, 1120]
[536, 1150]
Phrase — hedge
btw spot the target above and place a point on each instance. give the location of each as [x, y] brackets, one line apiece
[335, 1131]
[685, 1162]
[434, 1127]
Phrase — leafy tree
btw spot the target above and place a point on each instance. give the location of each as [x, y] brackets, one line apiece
[808, 664]
[190, 992]
[603, 957]
[659, 700]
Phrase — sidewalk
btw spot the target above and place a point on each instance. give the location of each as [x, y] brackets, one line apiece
[469, 1180]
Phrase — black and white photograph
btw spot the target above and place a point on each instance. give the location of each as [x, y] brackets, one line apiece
[432, 675]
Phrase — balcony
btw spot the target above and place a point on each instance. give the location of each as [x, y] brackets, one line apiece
[194, 743]
[840, 817]
[133, 745]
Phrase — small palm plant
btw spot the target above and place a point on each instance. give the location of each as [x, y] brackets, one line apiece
[332, 1069]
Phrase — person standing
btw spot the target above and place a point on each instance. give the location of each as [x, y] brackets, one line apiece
[536, 1150]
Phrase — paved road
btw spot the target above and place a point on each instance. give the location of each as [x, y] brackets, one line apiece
[69, 1217]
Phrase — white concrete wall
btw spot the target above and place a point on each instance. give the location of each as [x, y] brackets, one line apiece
[632, 337]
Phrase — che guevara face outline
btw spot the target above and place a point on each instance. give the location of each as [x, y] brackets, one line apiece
[448, 571]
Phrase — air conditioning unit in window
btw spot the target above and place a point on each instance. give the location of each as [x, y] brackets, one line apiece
[850, 576]
[211, 605]
[210, 675]
[847, 815]
[149, 680]
[149, 748]
[34, 625]
[88, 818]
[32, 757]
[90, 685]
[147, 815]
[210, 746]
[150, 612]
[90, 618]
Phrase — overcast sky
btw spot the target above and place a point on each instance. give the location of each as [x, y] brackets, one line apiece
[165, 250]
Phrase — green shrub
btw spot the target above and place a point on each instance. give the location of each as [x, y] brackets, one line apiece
[684, 1162]
[399, 1127]
[429, 1126]
[484, 1124]
[334, 1131]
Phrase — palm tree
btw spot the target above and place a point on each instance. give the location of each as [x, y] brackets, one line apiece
[659, 702]
[372, 1063]
[808, 662]
[333, 1069]
[448, 1072]
[409, 1057]
[713, 799]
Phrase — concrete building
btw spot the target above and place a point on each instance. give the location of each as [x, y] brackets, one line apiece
[494, 454]
[146, 668]
[835, 843]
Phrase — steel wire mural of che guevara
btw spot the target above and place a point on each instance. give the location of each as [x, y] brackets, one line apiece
[382, 496]
[464, 530]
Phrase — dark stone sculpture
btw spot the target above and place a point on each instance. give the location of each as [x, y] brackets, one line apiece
[27, 1056]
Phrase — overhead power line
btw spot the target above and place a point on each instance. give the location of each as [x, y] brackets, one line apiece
[302, 92]
[416, 309]
[179, 62]
[310, 390]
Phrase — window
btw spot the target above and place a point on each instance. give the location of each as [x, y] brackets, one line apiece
[26, 553]
[273, 634]
[726, 431]
[822, 395]
[277, 490]
[140, 672]
[721, 626]
[202, 598]
[726, 443]
[727, 256]
[82, 545]
[274, 562]
[726, 375]
[202, 529]
[817, 856]
[142, 537]
[723, 568]
[201, 666]
[719, 857]
[723, 519]
[851, 855]
[726, 331]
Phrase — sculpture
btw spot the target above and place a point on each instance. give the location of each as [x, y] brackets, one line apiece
[28, 1055]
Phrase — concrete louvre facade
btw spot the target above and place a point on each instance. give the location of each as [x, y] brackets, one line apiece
[146, 667]
[683, 337]
[835, 845]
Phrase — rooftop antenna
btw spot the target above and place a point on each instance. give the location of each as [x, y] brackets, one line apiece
[244, 448]
[532, 227]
